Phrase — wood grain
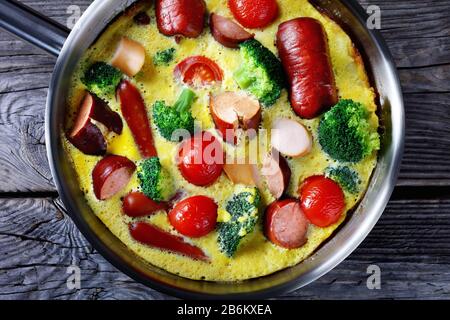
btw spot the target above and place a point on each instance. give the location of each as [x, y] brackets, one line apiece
[38, 243]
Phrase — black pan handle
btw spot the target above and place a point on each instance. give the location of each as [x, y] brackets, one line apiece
[32, 26]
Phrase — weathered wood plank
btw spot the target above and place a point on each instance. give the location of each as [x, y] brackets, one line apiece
[37, 245]
[410, 244]
[417, 32]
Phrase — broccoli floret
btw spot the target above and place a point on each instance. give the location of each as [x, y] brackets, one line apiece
[345, 133]
[169, 119]
[346, 177]
[261, 73]
[156, 183]
[101, 78]
[242, 211]
[164, 57]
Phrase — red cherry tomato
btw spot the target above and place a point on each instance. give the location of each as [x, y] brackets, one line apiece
[322, 200]
[254, 13]
[137, 204]
[200, 159]
[194, 217]
[198, 71]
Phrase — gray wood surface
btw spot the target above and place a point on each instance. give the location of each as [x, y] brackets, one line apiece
[410, 243]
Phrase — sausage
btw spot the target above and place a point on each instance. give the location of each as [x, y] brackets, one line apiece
[110, 175]
[85, 135]
[137, 204]
[181, 17]
[88, 139]
[277, 173]
[231, 110]
[152, 236]
[290, 138]
[303, 49]
[101, 112]
[242, 172]
[227, 32]
[285, 224]
[135, 114]
[129, 56]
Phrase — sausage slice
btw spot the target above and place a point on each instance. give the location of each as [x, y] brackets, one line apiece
[110, 175]
[285, 224]
[277, 173]
[290, 138]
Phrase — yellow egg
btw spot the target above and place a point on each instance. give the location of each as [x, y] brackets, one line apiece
[256, 255]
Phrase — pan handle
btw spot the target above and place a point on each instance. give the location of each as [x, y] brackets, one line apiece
[32, 26]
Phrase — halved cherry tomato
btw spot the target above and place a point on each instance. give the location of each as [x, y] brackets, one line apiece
[198, 71]
[322, 200]
[137, 204]
[200, 159]
[194, 217]
[254, 13]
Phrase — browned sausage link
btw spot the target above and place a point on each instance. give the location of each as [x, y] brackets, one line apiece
[286, 224]
[303, 48]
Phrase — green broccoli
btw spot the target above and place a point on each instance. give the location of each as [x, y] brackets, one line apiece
[241, 211]
[156, 183]
[346, 177]
[345, 133]
[169, 119]
[101, 78]
[163, 57]
[261, 72]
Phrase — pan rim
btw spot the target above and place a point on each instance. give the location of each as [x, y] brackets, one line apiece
[54, 155]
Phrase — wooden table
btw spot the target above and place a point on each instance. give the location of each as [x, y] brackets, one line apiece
[410, 244]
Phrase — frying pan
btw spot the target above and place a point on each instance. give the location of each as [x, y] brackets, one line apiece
[69, 47]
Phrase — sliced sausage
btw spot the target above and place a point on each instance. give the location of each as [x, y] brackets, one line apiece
[233, 110]
[88, 139]
[155, 237]
[85, 135]
[129, 56]
[290, 138]
[303, 49]
[137, 204]
[277, 173]
[227, 32]
[242, 172]
[285, 224]
[180, 17]
[135, 114]
[110, 175]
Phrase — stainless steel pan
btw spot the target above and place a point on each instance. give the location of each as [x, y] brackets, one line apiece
[57, 40]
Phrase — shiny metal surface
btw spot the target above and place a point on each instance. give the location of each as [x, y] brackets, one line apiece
[33, 27]
[346, 239]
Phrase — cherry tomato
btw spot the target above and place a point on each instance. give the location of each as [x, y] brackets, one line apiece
[198, 71]
[254, 13]
[194, 217]
[200, 159]
[322, 200]
[137, 204]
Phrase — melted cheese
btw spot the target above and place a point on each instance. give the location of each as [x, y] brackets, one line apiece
[256, 256]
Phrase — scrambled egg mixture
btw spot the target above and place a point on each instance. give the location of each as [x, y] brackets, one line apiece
[256, 255]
